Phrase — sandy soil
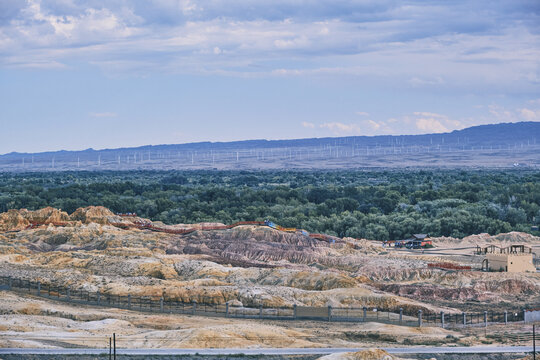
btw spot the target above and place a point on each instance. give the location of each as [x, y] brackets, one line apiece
[245, 266]
[34, 322]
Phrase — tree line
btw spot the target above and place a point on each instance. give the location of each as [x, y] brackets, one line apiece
[375, 204]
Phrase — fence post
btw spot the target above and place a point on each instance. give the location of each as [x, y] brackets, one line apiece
[260, 311]
[129, 301]
[39, 288]
[161, 304]
[524, 311]
[485, 318]
[464, 319]
[505, 317]
[365, 313]
[227, 309]
[10, 283]
[99, 298]
[442, 319]
[419, 318]
[194, 307]
[68, 294]
[329, 312]
[294, 312]
[400, 316]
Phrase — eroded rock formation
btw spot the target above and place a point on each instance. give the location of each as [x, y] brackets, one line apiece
[94, 249]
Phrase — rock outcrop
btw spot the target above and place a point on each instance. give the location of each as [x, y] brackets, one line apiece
[93, 214]
[13, 220]
[247, 265]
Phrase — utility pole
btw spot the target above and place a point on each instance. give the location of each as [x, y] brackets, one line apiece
[110, 348]
[114, 346]
[534, 343]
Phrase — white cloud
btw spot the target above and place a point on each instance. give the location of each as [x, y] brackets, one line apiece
[308, 125]
[429, 122]
[38, 64]
[500, 114]
[362, 113]
[417, 82]
[342, 129]
[429, 114]
[373, 124]
[297, 42]
[430, 125]
[434, 44]
[530, 115]
[89, 24]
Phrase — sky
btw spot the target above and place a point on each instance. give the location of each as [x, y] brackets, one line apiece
[116, 73]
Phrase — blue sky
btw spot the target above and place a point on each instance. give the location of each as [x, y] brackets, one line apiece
[79, 74]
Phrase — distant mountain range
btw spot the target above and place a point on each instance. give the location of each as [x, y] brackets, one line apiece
[496, 145]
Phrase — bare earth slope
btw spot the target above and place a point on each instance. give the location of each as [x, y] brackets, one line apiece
[250, 265]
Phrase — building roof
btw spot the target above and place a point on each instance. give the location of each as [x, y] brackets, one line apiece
[420, 236]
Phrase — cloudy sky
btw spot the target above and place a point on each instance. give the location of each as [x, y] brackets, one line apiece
[111, 73]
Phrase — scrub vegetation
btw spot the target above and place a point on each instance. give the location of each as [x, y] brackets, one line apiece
[375, 204]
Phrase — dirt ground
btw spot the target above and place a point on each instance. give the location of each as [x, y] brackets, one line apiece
[244, 266]
[33, 322]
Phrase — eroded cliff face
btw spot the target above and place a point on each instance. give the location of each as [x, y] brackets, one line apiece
[245, 265]
[93, 214]
[13, 220]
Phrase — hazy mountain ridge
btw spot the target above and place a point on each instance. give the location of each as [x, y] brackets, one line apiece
[498, 142]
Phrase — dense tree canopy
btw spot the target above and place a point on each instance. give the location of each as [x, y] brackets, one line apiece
[363, 204]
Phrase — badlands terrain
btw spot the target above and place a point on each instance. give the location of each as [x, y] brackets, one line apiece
[95, 249]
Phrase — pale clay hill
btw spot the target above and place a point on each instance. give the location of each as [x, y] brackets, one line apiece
[246, 265]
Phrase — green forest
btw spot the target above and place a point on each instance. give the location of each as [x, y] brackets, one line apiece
[375, 204]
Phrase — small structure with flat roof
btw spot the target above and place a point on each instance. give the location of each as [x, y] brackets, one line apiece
[514, 258]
